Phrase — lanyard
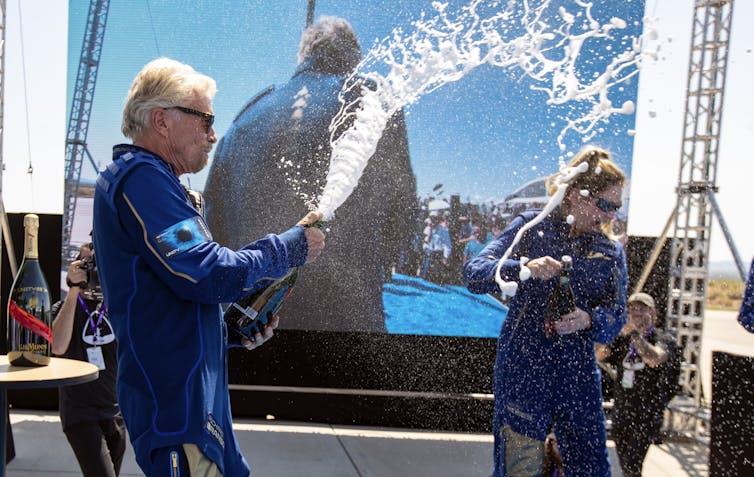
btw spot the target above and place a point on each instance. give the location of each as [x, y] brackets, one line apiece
[89, 320]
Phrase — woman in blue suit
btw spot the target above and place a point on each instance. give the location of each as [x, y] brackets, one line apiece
[746, 314]
[551, 381]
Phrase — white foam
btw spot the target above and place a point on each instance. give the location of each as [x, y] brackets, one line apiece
[444, 47]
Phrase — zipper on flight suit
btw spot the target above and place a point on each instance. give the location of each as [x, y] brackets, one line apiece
[174, 471]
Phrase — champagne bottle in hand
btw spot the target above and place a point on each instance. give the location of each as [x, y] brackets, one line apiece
[29, 333]
[561, 300]
[250, 315]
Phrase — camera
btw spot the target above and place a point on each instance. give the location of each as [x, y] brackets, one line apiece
[89, 265]
[92, 278]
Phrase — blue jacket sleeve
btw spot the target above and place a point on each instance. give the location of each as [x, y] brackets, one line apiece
[479, 272]
[610, 315]
[151, 202]
[746, 314]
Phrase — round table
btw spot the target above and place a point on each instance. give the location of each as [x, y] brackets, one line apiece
[60, 372]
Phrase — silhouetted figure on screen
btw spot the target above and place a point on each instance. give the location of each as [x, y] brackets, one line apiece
[278, 149]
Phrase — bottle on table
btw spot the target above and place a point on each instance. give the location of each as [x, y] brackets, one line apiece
[29, 332]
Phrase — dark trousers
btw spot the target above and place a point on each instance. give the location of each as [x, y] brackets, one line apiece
[632, 443]
[99, 446]
[10, 447]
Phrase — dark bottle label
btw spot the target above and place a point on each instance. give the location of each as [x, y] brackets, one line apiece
[29, 333]
[561, 301]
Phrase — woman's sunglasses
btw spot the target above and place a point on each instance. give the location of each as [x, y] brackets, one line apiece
[606, 206]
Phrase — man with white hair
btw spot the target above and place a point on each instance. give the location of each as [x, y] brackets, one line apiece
[163, 278]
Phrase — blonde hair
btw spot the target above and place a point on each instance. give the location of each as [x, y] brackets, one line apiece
[162, 83]
[601, 174]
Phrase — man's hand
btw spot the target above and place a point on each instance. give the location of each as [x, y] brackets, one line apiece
[259, 338]
[544, 268]
[315, 238]
[310, 219]
[76, 274]
[574, 321]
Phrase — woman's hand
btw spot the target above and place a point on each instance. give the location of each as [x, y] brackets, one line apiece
[544, 268]
[574, 321]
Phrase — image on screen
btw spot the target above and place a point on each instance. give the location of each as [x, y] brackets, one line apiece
[456, 114]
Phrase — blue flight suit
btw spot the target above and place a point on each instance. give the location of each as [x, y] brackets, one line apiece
[163, 279]
[541, 382]
[746, 314]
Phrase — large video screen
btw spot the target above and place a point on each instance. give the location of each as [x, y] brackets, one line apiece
[483, 100]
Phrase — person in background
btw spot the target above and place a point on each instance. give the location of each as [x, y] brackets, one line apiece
[164, 278]
[648, 365]
[89, 412]
[465, 233]
[277, 153]
[426, 239]
[465, 230]
[474, 245]
[493, 232]
[546, 382]
[746, 313]
[438, 251]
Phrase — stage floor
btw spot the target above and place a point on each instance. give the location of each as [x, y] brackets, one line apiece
[280, 449]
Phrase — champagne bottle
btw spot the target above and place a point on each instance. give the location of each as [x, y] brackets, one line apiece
[249, 315]
[29, 333]
[561, 300]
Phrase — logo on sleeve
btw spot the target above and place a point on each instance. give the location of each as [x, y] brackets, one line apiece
[182, 236]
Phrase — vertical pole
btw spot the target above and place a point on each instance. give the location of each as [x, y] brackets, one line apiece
[3, 231]
[728, 236]
[310, 13]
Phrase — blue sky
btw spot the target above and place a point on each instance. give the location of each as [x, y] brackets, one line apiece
[481, 137]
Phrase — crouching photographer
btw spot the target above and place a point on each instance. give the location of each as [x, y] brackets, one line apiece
[89, 412]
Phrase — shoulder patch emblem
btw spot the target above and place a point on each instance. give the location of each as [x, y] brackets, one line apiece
[182, 236]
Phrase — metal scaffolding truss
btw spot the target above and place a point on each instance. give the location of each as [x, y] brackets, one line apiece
[2, 90]
[78, 122]
[697, 184]
[4, 227]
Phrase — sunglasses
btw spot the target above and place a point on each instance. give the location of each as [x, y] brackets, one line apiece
[209, 119]
[606, 206]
